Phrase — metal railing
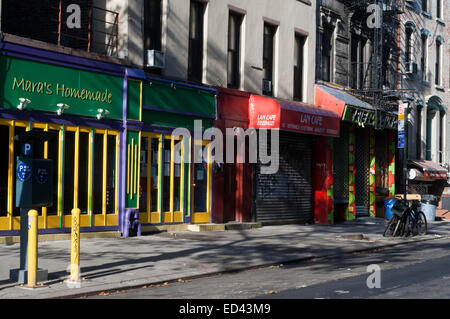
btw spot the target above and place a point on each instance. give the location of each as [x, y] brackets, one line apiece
[100, 34]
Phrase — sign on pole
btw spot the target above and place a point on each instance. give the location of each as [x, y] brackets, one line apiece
[401, 125]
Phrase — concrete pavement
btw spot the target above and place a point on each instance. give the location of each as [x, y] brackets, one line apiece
[117, 263]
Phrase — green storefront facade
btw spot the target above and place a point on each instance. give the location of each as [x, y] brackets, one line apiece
[114, 149]
[163, 182]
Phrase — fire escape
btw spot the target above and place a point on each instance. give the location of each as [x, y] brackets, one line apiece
[379, 21]
[50, 21]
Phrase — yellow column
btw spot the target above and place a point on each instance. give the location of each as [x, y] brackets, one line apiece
[75, 247]
[32, 247]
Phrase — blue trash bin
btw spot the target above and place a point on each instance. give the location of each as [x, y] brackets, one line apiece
[388, 204]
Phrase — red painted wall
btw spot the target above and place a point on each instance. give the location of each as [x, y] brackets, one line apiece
[323, 181]
[233, 183]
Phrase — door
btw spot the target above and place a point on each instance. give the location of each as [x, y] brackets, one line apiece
[201, 183]
[362, 172]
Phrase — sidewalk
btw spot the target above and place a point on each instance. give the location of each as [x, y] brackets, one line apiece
[118, 263]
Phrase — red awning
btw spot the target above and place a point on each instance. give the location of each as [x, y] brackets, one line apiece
[268, 113]
[427, 170]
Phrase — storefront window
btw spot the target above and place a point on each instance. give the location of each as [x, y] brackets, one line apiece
[85, 169]
[4, 163]
[167, 175]
[17, 130]
[177, 181]
[111, 177]
[201, 176]
[154, 172]
[83, 172]
[149, 182]
[53, 154]
[97, 197]
[69, 166]
[143, 194]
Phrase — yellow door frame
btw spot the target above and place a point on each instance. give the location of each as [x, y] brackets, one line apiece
[203, 217]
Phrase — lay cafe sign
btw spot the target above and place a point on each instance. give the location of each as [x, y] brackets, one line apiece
[369, 117]
[266, 113]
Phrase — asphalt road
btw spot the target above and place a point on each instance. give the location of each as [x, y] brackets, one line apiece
[419, 270]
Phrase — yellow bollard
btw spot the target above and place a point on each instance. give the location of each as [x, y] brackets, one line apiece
[75, 250]
[32, 247]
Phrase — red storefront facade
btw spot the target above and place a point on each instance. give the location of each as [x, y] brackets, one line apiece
[302, 189]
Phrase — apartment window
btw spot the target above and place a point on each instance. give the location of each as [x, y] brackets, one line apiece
[430, 115]
[357, 62]
[441, 137]
[196, 29]
[439, 9]
[424, 57]
[299, 54]
[152, 25]
[327, 48]
[268, 58]
[425, 5]
[419, 132]
[408, 49]
[438, 61]
[234, 44]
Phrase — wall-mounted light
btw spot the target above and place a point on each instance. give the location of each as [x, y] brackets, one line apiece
[61, 108]
[102, 114]
[23, 103]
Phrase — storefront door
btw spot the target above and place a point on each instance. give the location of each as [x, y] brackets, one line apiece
[362, 172]
[202, 184]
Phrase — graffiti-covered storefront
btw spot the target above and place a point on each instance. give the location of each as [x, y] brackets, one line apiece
[168, 171]
[80, 101]
[364, 156]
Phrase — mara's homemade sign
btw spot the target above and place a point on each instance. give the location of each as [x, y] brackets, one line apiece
[47, 85]
[369, 117]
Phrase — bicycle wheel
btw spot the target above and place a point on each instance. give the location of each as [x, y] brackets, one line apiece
[400, 228]
[389, 231]
[410, 226]
[421, 224]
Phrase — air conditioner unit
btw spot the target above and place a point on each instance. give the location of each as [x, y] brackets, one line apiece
[267, 86]
[155, 59]
[411, 68]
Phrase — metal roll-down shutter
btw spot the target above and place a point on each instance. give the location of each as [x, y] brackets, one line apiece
[287, 195]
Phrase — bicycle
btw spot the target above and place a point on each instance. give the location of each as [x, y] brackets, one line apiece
[407, 220]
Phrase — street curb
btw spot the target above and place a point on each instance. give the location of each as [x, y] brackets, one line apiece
[240, 269]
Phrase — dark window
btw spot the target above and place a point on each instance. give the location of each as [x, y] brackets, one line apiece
[357, 62]
[53, 154]
[300, 42]
[69, 167]
[167, 174]
[97, 192]
[4, 165]
[268, 63]
[17, 131]
[423, 60]
[327, 47]
[419, 133]
[196, 21]
[425, 5]
[438, 64]
[438, 9]
[152, 25]
[21, 18]
[111, 174]
[83, 172]
[441, 137]
[408, 50]
[234, 43]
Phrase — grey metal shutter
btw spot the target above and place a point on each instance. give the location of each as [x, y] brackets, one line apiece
[287, 195]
